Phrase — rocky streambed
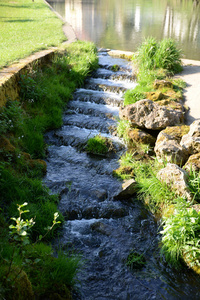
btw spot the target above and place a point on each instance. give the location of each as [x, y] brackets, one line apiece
[100, 228]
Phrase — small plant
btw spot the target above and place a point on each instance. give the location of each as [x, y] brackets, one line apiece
[135, 260]
[115, 68]
[180, 236]
[99, 145]
[123, 127]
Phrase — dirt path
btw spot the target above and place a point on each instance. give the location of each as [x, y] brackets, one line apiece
[191, 75]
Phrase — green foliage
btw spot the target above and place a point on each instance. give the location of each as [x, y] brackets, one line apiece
[180, 236]
[44, 94]
[138, 93]
[135, 260]
[19, 230]
[123, 127]
[115, 68]
[153, 55]
[194, 185]
[168, 56]
[97, 145]
[144, 57]
[11, 117]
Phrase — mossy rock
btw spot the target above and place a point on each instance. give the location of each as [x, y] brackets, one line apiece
[160, 84]
[155, 96]
[38, 164]
[193, 163]
[171, 103]
[173, 133]
[140, 136]
[6, 145]
[18, 285]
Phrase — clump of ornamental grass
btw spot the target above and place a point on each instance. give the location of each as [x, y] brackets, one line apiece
[154, 60]
[153, 55]
[99, 145]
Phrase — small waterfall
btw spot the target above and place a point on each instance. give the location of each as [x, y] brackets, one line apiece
[102, 230]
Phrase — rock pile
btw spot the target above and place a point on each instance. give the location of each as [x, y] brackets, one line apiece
[177, 144]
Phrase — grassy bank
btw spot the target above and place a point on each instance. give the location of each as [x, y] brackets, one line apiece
[26, 27]
[44, 94]
[180, 221]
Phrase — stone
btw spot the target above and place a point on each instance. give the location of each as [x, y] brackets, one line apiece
[160, 84]
[101, 228]
[148, 114]
[171, 151]
[191, 141]
[167, 145]
[155, 96]
[140, 136]
[176, 179]
[193, 163]
[129, 188]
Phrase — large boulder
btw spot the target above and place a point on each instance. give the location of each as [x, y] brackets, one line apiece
[176, 179]
[148, 114]
[191, 141]
[167, 145]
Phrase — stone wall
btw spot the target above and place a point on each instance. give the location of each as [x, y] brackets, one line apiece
[10, 76]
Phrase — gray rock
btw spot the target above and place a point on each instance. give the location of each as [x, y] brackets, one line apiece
[129, 188]
[176, 179]
[148, 114]
[167, 147]
[191, 141]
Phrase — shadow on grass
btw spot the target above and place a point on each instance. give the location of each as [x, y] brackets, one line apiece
[17, 20]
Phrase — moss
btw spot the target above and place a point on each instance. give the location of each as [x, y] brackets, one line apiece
[173, 132]
[124, 172]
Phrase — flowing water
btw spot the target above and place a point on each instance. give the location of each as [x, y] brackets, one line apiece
[101, 229]
[123, 24]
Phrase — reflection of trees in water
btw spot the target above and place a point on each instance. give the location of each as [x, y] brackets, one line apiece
[176, 24]
[123, 24]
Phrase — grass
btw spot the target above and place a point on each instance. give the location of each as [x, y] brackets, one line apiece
[44, 95]
[27, 27]
[154, 60]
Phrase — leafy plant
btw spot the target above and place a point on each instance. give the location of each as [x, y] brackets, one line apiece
[180, 236]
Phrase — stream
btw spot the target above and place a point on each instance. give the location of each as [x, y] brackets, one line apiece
[103, 230]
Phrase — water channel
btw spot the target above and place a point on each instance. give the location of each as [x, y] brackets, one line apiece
[123, 24]
[100, 228]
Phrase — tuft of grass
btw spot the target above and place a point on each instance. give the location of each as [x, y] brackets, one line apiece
[154, 60]
[98, 145]
[180, 236]
[153, 55]
[27, 27]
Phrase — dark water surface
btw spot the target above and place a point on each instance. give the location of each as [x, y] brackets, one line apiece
[100, 228]
[123, 24]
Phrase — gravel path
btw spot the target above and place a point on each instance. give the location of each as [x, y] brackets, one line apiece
[191, 75]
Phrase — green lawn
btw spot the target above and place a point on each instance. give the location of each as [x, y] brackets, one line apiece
[26, 27]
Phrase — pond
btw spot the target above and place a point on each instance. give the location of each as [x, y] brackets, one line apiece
[124, 24]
